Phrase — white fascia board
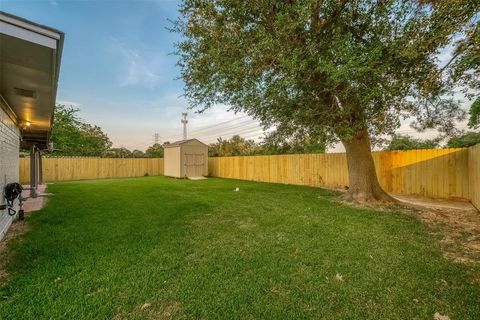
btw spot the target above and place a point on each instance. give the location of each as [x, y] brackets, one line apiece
[27, 35]
[22, 23]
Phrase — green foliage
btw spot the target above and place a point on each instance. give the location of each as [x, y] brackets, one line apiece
[235, 146]
[406, 142]
[138, 154]
[465, 62]
[121, 152]
[330, 68]
[160, 248]
[154, 151]
[474, 121]
[73, 137]
[277, 143]
[465, 140]
[274, 143]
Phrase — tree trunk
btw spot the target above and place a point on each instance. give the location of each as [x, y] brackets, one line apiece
[363, 181]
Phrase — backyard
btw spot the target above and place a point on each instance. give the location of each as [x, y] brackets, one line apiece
[159, 248]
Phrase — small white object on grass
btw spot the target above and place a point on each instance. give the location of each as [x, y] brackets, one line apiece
[146, 305]
[438, 316]
[339, 277]
[237, 189]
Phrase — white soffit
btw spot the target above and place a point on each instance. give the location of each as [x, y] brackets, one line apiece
[28, 35]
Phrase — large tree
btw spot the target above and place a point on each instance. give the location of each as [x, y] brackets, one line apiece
[338, 69]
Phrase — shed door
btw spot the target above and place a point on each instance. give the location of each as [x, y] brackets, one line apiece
[194, 164]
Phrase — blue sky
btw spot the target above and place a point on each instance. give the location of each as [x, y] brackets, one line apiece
[117, 67]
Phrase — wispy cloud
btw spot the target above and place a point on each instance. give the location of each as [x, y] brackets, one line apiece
[53, 3]
[137, 68]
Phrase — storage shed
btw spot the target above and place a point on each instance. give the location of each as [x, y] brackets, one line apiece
[185, 159]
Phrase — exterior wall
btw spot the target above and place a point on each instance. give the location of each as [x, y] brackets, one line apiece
[9, 168]
[172, 162]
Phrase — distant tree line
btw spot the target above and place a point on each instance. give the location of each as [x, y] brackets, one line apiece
[406, 142]
[71, 136]
[154, 151]
[272, 144]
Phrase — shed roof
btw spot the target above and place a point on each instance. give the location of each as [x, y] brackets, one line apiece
[180, 142]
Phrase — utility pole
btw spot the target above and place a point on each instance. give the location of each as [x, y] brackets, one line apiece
[184, 121]
[157, 138]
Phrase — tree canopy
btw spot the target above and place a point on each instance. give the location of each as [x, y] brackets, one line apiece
[138, 154]
[154, 151]
[406, 142]
[121, 152]
[235, 146]
[272, 144]
[464, 140]
[277, 143]
[73, 137]
[474, 120]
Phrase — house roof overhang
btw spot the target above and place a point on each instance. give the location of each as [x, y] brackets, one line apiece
[30, 56]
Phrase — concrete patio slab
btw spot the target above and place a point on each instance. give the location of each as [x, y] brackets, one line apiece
[35, 204]
[435, 204]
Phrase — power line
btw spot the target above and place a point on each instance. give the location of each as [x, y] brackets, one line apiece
[433, 129]
[215, 125]
[223, 127]
[216, 129]
[234, 132]
[244, 134]
[222, 123]
[156, 140]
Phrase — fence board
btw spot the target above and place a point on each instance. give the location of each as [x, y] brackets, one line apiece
[433, 173]
[474, 174]
[71, 168]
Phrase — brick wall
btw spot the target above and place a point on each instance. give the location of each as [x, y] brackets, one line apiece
[9, 148]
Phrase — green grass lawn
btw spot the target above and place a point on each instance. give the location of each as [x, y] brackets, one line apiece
[199, 250]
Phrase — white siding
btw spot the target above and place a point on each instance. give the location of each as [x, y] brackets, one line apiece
[172, 162]
[9, 150]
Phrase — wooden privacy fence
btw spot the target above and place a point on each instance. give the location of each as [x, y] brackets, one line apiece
[474, 174]
[62, 169]
[442, 173]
